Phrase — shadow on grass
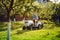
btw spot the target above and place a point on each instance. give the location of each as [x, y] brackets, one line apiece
[57, 25]
[3, 26]
[3, 29]
[21, 31]
[58, 34]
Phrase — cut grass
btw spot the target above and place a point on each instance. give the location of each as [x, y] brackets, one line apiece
[42, 34]
[49, 32]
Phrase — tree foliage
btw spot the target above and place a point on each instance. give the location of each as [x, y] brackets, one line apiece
[28, 7]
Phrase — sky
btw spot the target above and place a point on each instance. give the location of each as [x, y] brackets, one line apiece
[56, 0]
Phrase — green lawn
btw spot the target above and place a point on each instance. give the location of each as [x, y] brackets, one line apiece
[43, 34]
[47, 33]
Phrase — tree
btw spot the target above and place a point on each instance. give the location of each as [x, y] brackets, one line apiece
[2, 10]
[8, 5]
[46, 10]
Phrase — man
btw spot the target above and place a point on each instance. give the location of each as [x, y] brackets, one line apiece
[35, 18]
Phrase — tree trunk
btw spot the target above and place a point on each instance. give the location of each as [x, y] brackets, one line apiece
[9, 25]
[8, 30]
